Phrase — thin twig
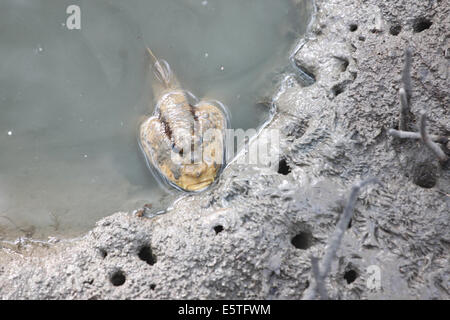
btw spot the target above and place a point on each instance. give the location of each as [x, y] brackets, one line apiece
[404, 110]
[406, 75]
[338, 234]
[426, 139]
[405, 92]
[415, 135]
[318, 278]
[334, 241]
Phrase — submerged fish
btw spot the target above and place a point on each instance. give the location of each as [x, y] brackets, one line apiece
[184, 140]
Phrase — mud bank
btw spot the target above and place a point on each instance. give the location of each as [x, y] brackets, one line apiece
[253, 234]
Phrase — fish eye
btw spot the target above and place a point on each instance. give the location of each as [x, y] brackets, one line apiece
[177, 150]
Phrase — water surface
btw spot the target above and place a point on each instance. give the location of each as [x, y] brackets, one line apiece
[70, 100]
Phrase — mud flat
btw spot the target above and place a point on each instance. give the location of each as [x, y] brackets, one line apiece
[253, 234]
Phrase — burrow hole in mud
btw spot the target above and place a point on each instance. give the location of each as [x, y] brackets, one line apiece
[117, 278]
[337, 89]
[103, 253]
[425, 175]
[395, 29]
[421, 24]
[344, 63]
[350, 276]
[218, 229]
[349, 224]
[146, 254]
[283, 167]
[353, 27]
[152, 286]
[303, 240]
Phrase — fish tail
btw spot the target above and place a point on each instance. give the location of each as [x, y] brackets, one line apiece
[152, 55]
[161, 69]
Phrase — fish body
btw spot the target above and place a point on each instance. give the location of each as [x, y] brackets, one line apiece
[184, 140]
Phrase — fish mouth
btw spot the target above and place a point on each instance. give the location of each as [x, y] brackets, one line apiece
[189, 182]
[198, 186]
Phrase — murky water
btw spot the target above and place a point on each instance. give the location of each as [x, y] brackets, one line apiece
[70, 100]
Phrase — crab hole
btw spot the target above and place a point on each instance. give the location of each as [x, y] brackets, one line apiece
[283, 167]
[145, 254]
[218, 229]
[350, 276]
[303, 240]
[421, 24]
[395, 29]
[117, 278]
[425, 175]
[103, 253]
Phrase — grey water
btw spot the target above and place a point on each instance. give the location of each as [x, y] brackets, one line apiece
[71, 100]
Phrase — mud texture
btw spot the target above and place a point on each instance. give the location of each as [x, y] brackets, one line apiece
[252, 235]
